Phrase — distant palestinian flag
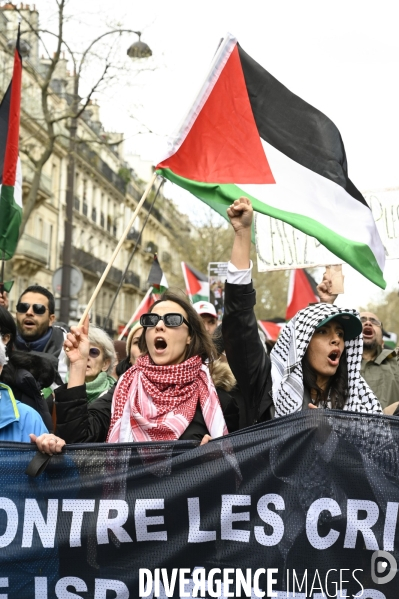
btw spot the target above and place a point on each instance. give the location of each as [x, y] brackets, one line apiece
[247, 134]
[390, 339]
[271, 329]
[142, 308]
[197, 284]
[156, 278]
[10, 165]
[302, 291]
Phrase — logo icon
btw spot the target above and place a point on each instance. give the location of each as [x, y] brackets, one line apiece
[383, 567]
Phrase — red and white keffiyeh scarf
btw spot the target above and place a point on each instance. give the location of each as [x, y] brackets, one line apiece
[157, 403]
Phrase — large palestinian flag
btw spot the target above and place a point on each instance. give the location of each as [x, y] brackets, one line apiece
[197, 284]
[247, 134]
[10, 166]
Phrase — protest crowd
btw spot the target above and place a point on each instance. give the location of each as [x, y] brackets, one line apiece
[183, 377]
[188, 375]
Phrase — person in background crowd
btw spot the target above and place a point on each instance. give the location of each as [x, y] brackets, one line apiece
[120, 350]
[167, 395]
[4, 299]
[316, 360]
[132, 349]
[26, 374]
[36, 330]
[100, 364]
[379, 366]
[17, 420]
[208, 314]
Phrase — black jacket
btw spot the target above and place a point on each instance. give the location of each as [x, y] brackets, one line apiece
[80, 422]
[53, 351]
[246, 355]
[27, 374]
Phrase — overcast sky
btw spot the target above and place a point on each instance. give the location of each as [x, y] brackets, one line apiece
[342, 57]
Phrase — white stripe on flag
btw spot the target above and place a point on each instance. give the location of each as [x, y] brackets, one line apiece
[301, 191]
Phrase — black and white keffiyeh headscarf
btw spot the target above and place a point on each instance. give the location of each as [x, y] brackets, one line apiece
[286, 358]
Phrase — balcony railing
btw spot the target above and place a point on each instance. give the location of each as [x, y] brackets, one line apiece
[133, 235]
[94, 159]
[132, 278]
[28, 173]
[95, 265]
[33, 248]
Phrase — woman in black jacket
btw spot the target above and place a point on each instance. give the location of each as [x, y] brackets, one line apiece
[316, 360]
[25, 373]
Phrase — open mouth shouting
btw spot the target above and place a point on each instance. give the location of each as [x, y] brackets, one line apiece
[333, 357]
[160, 345]
[29, 323]
[368, 332]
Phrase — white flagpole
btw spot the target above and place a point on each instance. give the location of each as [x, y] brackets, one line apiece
[116, 250]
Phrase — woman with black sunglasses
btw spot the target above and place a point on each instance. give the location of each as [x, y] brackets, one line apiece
[167, 395]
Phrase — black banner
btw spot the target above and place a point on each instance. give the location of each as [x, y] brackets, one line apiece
[305, 506]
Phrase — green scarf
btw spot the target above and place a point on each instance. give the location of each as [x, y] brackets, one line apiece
[95, 388]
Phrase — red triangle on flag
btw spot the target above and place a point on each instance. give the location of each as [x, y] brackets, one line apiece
[301, 292]
[193, 283]
[223, 145]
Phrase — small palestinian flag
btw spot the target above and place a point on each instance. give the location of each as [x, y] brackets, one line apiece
[247, 134]
[197, 284]
[143, 307]
[10, 165]
[271, 329]
[156, 278]
[302, 291]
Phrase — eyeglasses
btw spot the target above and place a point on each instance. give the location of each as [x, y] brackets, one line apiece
[94, 352]
[23, 307]
[173, 319]
[374, 321]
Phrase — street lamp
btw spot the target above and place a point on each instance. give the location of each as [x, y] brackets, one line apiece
[137, 50]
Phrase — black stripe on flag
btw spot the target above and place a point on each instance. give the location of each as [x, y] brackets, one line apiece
[4, 116]
[200, 275]
[296, 128]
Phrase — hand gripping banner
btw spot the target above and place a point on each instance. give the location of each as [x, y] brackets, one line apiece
[305, 506]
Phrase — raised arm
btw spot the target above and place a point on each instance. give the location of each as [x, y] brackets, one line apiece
[240, 214]
[244, 350]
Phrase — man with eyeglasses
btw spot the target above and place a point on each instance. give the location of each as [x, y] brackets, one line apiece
[380, 367]
[36, 330]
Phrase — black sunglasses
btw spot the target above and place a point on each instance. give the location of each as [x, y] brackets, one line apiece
[23, 307]
[173, 319]
[94, 352]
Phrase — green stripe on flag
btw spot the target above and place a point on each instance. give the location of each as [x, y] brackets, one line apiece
[219, 197]
[10, 221]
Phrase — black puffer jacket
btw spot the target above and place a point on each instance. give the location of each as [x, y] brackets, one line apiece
[27, 374]
[246, 355]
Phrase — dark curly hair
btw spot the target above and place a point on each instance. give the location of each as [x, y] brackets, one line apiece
[336, 392]
[201, 343]
[42, 291]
